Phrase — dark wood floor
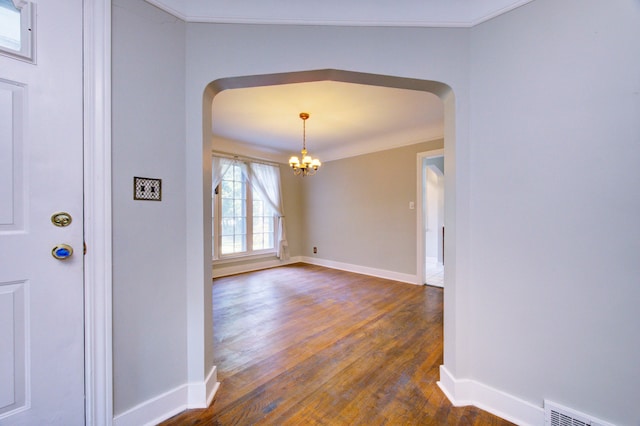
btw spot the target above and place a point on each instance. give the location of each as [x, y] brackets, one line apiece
[306, 345]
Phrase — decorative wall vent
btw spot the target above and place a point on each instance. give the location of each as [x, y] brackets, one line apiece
[557, 415]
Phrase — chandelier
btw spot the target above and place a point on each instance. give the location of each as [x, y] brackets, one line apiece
[309, 166]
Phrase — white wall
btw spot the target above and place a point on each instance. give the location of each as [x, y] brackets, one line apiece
[555, 115]
[149, 299]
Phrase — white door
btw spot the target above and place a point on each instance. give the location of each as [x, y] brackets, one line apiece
[41, 298]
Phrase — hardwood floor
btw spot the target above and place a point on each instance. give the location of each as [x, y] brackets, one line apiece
[306, 345]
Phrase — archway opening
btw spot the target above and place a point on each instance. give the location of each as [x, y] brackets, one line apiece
[442, 90]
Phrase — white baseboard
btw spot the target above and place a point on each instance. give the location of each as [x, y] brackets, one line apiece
[365, 270]
[155, 410]
[463, 392]
[201, 394]
[162, 407]
[212, 386]
[223, 271]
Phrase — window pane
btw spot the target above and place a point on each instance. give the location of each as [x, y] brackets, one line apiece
[213, 236]
[258, 207]
[238, 190]
[10, 20]
[227, 189]
[258, 228]
[239, 207]
[262, 224]
[237, 217]
[215, 231]
[233, 223]
[240, 226]
[227, 227]
[226, 244]
[227, 207]
[240, 243]
[258, 241]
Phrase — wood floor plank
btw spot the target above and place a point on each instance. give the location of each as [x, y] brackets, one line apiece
[307, 345]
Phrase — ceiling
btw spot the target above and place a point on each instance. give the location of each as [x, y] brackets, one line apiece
[345, 119]
[414, 13]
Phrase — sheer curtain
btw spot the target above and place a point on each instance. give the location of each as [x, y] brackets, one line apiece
[266, 180]
[219, 167]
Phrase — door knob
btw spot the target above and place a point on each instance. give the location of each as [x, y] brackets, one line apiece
[62, 251]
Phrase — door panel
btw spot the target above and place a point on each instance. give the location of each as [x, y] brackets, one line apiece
[14, 349]
[41, 298]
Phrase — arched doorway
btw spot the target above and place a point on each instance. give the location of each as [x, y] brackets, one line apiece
[442, 90]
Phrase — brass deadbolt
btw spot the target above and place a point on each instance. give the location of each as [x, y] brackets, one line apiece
[61, 219]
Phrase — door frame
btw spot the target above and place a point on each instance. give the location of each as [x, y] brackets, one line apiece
[420, 231]
[97, 212]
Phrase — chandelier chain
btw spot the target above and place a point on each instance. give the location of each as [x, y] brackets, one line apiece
[304, 134]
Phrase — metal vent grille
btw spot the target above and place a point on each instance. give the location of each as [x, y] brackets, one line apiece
[557, 415]
[560, 419]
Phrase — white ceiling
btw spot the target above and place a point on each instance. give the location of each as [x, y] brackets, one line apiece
[415, 13]
[346, 119]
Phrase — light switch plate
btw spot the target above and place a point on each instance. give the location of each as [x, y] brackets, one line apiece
[147, 189]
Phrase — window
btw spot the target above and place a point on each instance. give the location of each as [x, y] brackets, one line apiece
[16, 28]
[243, 221]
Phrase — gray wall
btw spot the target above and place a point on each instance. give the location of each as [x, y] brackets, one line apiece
[542, 302]
[149, 300]
[357, 209]
[556, 242]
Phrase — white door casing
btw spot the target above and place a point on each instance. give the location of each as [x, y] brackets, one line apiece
[41, 298]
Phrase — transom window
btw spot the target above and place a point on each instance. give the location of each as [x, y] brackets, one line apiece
[243, 222]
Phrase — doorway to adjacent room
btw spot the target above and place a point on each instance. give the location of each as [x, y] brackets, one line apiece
[432, 175]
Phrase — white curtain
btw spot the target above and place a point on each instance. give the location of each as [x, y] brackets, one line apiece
[265, 180]
[219, 167]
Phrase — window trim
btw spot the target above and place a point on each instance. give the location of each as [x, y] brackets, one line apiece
[216, 226]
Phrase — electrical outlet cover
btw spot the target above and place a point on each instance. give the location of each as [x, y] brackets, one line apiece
[147, 189]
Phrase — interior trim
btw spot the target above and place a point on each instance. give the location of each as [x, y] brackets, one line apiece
[463, 392]
[365, 270]
[97, 210]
